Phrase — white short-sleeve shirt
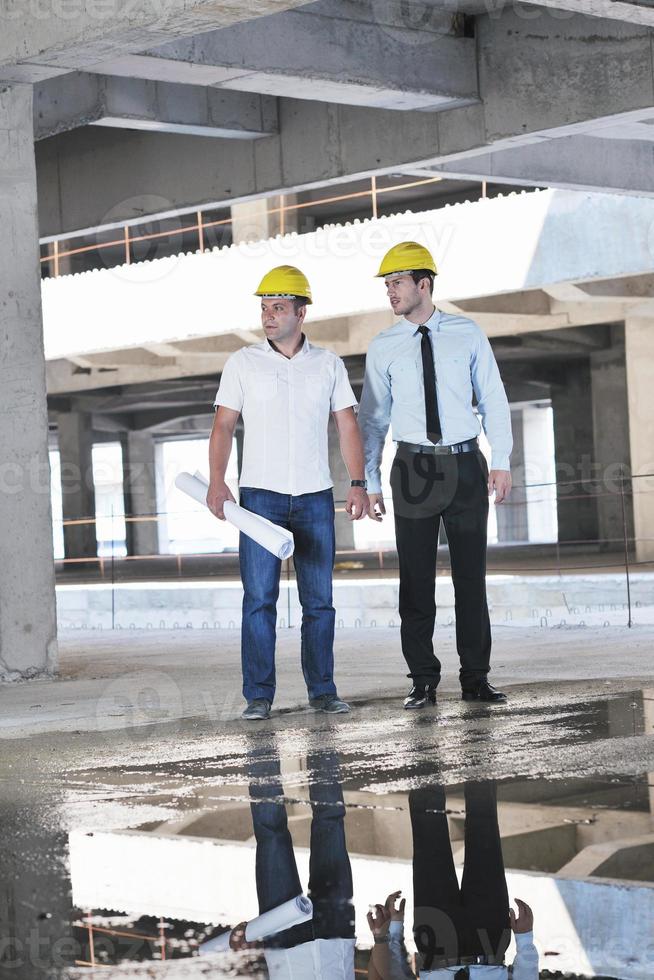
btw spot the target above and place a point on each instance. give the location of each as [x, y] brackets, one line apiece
[285, 404]
[321, 959]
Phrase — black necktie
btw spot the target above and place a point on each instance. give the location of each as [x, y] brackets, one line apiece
[433, 423]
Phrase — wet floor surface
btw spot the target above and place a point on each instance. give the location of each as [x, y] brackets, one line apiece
[125, 849]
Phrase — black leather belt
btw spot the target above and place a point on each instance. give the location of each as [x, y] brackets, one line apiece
[468, 446]
[440, 963]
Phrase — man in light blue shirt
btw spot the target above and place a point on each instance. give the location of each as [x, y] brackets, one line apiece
[461, 931]
[421, 374]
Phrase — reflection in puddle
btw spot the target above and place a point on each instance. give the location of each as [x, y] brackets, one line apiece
[425, 862]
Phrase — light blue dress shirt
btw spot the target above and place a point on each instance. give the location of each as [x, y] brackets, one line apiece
[394, 394]
[525, 964]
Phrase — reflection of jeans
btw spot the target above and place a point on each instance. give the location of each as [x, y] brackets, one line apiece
[330, 874]
[310, 516]
[452, 922]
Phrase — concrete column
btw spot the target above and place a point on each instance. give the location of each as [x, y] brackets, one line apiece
[140, 492]
[75, 436]
[639, 356]
[573, 450]
[28, 644]
[341, 478]
[611, 442]
[512, 517]
[259, 219]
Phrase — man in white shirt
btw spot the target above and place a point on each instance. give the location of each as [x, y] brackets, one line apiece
[421, 374]
[321, 948]
[285, 388]
[462, 931]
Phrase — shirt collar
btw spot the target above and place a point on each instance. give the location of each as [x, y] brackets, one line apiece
[407, 327]
[304, 349]
[432, 323]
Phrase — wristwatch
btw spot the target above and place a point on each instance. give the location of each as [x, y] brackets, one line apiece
[359, 483]
[380, 939]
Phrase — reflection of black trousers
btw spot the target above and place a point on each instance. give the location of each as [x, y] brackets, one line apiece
[451, 921]
[426, 489]
[330, 874]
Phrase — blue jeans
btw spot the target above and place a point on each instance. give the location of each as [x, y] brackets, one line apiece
[330, 875]
[310, 516]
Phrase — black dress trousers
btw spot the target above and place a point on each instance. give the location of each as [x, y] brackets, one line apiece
[452, 921]
[427, 488]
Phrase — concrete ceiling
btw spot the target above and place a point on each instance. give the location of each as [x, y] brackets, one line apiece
[295, 95]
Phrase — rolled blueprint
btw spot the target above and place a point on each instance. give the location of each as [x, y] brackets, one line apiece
[291, 913]
[270, 536]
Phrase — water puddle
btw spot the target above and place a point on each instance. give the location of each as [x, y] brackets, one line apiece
[286, 855]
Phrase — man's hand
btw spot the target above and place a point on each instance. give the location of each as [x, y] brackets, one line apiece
[217, 494]
[237, 940]
[376, 500]
[397, 914]
[380, 921]
[357, 504]
[500, 482]
[524, 920]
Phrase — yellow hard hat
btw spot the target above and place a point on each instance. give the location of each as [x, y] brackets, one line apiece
[407, 257]
[286, 281]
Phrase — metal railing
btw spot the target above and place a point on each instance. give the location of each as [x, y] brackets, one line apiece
[126, 239]
[623, 556]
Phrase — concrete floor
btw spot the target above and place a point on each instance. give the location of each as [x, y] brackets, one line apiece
[137, 744]
[126, 678]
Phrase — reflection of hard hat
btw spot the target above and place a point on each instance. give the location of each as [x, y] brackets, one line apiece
[406, 257]
[286, 281]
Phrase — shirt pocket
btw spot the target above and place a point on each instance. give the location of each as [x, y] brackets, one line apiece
[405, 380]
[262, 387]
[315, 385]
[453, 373]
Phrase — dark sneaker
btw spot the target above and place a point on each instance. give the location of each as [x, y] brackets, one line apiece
[257, 710]
[419, 695]
[331, 704]
[483, 691]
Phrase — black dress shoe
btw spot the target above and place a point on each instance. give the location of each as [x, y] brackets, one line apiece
[483, 691]
[419, 695]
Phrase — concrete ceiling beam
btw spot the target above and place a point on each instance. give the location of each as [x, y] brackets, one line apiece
[110, 423]
[40, 40]
[62, 377]
[537, 88]
[624, 289]
[564, 292]
[80, 99]
[326, 55]
[622, 10]
[580, 162]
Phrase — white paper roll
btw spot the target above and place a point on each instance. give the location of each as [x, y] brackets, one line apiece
[291, 913]
[273, 538]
